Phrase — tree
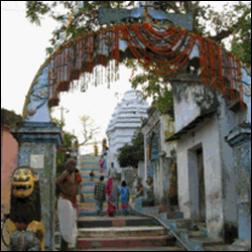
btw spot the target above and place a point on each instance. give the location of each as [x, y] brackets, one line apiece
[233, 23]
[130, 155]
[69, 146]
[9, 118]
[76, 17]
[241, 43]
[96, 150]
[89, 130]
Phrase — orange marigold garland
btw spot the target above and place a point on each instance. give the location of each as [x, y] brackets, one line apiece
[163, 51]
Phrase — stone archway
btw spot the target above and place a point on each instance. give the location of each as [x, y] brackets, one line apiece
[164, 50]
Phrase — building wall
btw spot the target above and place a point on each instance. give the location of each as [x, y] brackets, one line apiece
[9, 150]
[207, 136]
[226, 121]
[159, 168]
[190, 101]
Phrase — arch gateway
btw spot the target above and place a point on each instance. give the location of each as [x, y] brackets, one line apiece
[165, 47]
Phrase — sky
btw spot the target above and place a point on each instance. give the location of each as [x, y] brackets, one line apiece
[23, 51]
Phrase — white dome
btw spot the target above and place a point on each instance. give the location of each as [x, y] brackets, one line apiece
[126, 119]
[132, 109]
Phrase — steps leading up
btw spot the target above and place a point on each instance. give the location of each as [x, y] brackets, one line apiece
[119, 233]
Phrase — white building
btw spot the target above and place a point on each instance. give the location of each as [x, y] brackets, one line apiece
[206, 167]
[126, 119]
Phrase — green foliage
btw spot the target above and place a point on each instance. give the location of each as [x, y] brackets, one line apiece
[35, 10]
[155, 86]
[70, 144]
[9, 118]
[130, 155]
[73, 17]
[164, 102]
[241, 43]
[76, 17]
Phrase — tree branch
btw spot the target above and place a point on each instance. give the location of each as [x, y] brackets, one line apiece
[221, 35]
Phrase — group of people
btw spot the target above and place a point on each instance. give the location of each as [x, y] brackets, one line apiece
[112, 192]
[68, 185]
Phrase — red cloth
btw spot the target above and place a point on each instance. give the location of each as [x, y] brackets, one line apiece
[125, 206]
[111, 206]
[109, 186]
[111, 209]
[78, 178]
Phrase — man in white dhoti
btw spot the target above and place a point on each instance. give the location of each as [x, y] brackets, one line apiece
[67, 213]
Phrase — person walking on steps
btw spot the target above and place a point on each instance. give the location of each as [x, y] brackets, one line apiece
[124, 192]
[100, 195]
[112, 196]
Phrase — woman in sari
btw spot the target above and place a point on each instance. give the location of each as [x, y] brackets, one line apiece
[112, 196]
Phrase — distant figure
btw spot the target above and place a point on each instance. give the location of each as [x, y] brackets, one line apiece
[68, 183]
[112, 196]
[100, 195]
[124, 192]
[92, 175]
[139, 190]
[150, 198]
[102, 164]
[139, 194]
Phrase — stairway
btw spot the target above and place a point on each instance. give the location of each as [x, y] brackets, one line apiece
[88, 163]
[119, 233]
[122, 233]
[195, 235]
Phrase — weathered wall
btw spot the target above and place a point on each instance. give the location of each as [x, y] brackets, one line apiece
[141, 171]
[159, 166]
[9, 150]
[207, 136]
[190, 101]
[226, 121]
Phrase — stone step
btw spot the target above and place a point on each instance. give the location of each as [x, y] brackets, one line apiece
[223, 247]
[87, 177]
[87, 188]
[106, 232]
[88, 195]
[86, 168]
[89, 163]
[88, 200]
[88, 183]
[206, 241]
[170, 248]
[122, 242]
[93, 212]
[88, 191]
[117, 221]
[181, 223]
[193, 234]
[89, 167]
[87, 205]
[85, 172]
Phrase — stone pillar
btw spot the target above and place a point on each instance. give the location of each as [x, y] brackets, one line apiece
[37, 148]
[240, 140]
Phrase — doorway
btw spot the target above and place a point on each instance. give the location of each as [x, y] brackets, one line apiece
[197, 183]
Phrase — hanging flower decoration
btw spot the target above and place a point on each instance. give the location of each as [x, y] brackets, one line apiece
[163, 51]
